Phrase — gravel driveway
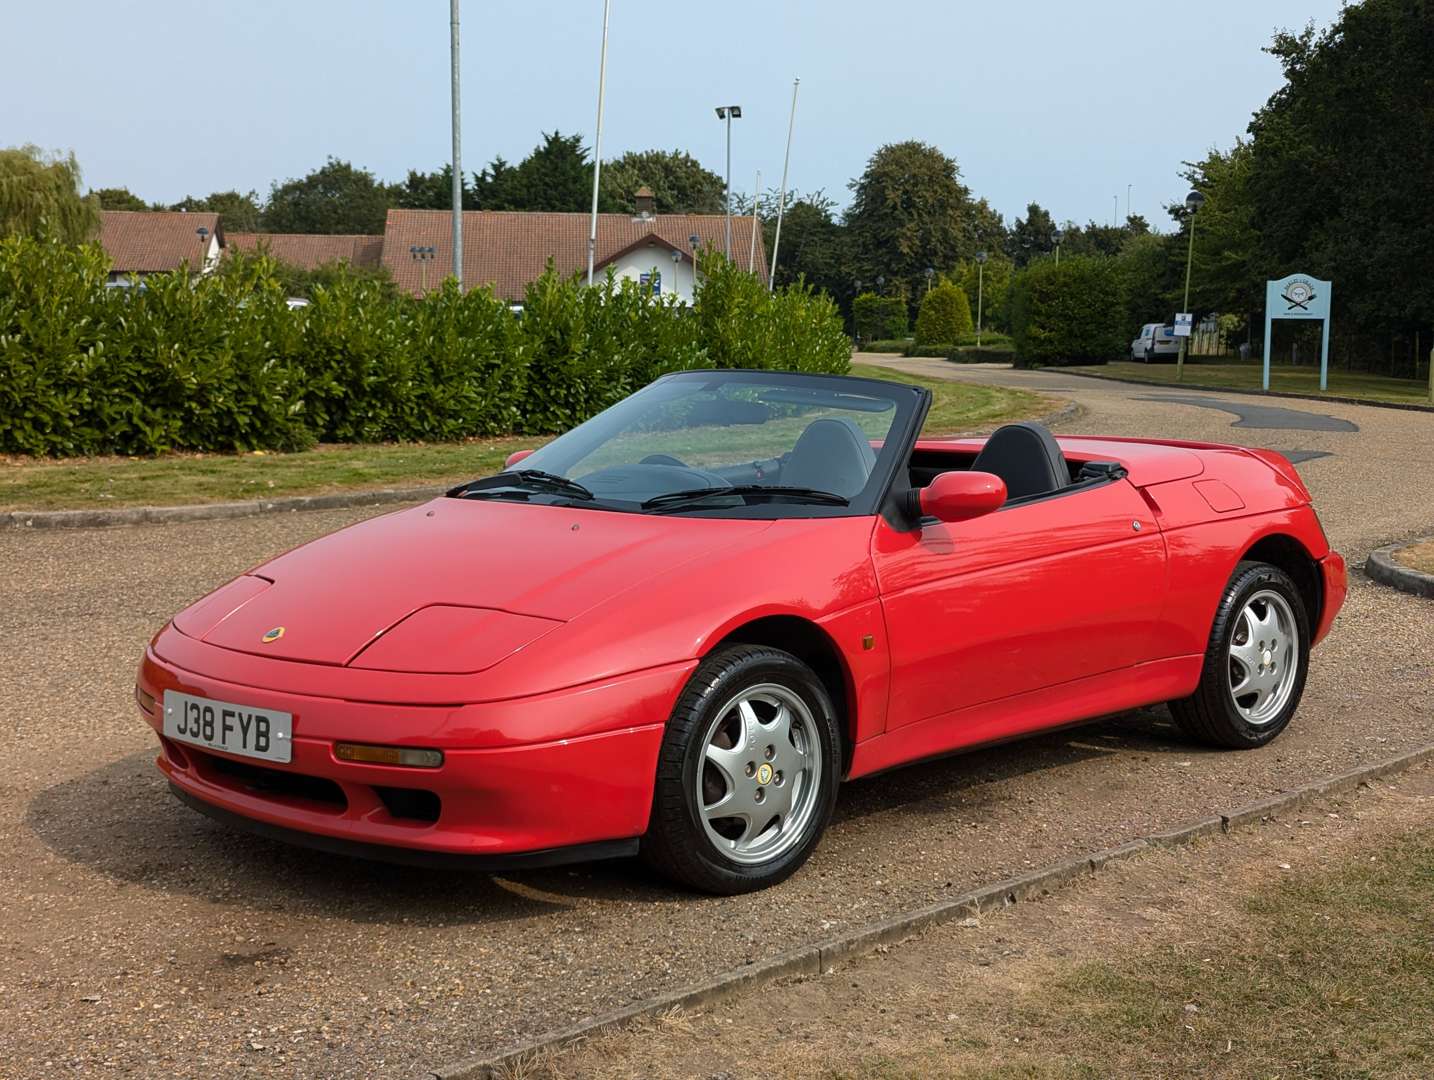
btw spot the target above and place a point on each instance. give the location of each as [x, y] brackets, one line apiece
[139, 939]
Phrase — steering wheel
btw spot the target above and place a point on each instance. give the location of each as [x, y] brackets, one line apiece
[662, 459]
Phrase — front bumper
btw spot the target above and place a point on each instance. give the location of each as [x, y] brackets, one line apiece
[481, 807]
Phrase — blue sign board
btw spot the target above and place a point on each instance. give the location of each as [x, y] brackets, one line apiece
[1298, 296]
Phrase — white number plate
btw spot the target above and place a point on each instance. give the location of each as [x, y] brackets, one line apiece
[235, 729]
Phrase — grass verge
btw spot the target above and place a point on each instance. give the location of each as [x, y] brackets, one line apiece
[1328, 976]
[186, 479]
[1283, 378]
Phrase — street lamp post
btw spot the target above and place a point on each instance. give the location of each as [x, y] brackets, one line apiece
[930, 273]
[980, 283]
[696, 242]
[729, 113]
[1056, 237]
[1193, 202]
[676, 262]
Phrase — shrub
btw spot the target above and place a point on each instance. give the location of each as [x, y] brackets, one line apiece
[944, 316]
[299, 281]
[1069, 313]
[222, 363]
[987, 287]
[742, 325]
[876, 317]
[982, 354]
[886, 345]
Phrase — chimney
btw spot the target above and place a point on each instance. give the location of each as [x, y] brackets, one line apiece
[645, 203]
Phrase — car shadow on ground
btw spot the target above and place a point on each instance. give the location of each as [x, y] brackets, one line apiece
[940, 785]
[121, 821]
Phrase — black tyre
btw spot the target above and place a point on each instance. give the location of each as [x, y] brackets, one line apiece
[748, 773]
[1255, 662]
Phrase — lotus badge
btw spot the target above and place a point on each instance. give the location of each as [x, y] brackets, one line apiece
[272, 635]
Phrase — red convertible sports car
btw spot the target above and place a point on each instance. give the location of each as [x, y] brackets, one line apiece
[677, 628]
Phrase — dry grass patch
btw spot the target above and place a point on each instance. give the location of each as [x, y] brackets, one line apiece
[1299, 950]
[1418, 556]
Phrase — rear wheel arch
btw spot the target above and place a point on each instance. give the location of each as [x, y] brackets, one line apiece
[810, 644]
[1291, 556]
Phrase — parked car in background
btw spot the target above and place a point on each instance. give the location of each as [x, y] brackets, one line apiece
[1156, 341]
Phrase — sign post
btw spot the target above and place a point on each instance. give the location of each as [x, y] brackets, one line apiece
[1299, 296]
[1184, 321]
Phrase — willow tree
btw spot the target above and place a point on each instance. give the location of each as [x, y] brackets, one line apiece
[41, 192]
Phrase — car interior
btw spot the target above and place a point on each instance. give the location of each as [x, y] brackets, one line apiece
[1025, 455]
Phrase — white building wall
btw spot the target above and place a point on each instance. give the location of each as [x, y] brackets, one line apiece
[644, 260]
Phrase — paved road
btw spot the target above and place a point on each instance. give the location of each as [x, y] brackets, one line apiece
[138, 939]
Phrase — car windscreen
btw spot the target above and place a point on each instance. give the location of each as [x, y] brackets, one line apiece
[709, 442]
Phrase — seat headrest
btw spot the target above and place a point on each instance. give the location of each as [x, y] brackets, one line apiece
[1027, 457]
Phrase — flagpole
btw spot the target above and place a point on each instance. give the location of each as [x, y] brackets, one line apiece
[782, 198]
[597, 143]
[752, 248]
[457, 156]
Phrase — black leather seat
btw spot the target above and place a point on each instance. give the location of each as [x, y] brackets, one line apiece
[832, 454]
[1027, 457]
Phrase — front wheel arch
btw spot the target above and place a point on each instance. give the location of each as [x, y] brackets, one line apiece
[814, 647]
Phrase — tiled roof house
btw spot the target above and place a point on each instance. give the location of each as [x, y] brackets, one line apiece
[508, 249]
[157, 241]
[309, 251]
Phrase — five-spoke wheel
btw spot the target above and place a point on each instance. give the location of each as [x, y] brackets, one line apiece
[747, 777]
[1255, 662]
[760, 774]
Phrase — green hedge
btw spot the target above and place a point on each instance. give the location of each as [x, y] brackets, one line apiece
[222, 363]
[1069, 312]
[876, 317]
[981, 354]
[887, 345]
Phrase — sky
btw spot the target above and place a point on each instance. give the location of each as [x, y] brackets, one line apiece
[1057, 101]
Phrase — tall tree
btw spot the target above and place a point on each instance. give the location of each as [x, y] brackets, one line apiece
[40, 191]
[432, 191]
[909, 211]
[1228, 271]
[1342, 168]
[335, 198]
[814, 245]
[679, 182]
[119, 198]
[557, 175]
[986, 229]
[238, 212]
[1031, 235]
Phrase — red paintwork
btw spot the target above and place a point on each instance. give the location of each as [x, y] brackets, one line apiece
[542, 648]
[960, 496]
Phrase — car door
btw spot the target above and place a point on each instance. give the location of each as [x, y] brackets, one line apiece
[1039, 593]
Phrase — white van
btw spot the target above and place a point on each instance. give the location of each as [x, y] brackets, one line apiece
[1156, 341]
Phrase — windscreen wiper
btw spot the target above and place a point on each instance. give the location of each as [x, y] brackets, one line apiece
[673, 499]
[534, 479]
